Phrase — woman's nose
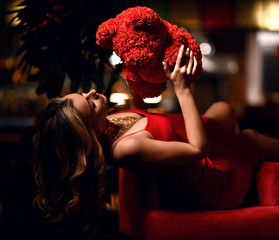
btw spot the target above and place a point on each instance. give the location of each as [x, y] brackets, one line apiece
[90, 93]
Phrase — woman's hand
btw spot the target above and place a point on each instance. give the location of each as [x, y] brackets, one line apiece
[184, 69]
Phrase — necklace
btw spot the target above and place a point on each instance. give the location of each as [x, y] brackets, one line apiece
[118, 127]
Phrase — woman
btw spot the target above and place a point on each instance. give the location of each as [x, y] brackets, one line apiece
[69, 161]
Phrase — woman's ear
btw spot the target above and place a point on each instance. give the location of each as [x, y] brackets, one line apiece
[105, 33]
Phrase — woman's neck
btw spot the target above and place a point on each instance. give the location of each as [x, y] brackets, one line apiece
[107, 127]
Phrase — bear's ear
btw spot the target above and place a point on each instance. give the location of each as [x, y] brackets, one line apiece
[142, 18]
[105, 33]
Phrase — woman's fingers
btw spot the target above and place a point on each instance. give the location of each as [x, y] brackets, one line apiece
[167, 70]
[195, 66]
[187, 53]
[190, 63]
[185, 62]
[179, 57]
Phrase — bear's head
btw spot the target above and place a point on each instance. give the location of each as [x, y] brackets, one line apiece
[143, 40]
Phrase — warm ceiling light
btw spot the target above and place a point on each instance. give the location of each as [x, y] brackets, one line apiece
[118, 98]
[271, 17]
[153, 100]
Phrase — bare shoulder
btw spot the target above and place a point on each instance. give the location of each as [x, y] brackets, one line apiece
[128, 147]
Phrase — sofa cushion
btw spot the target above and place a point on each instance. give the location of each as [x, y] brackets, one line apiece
[267, 182]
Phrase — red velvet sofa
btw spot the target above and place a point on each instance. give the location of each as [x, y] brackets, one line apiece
[141, 218]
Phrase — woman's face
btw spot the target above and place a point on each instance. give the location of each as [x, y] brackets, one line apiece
[91, 105]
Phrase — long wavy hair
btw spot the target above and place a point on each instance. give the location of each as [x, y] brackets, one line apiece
[68, 165]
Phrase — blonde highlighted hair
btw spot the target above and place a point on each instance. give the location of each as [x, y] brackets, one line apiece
[68, 165]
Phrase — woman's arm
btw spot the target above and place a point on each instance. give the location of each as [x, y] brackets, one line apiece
[184, 70]
[146, 154]
[142, 152]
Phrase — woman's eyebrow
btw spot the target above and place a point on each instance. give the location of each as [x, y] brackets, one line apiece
[90, 106]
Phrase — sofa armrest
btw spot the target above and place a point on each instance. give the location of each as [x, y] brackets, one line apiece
[137, 194]
[267, 182]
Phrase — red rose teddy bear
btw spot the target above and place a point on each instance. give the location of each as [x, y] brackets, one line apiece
[143, 40]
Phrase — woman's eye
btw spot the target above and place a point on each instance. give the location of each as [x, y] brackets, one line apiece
[92, 104]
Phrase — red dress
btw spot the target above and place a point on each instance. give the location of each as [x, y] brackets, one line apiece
[219, 181]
